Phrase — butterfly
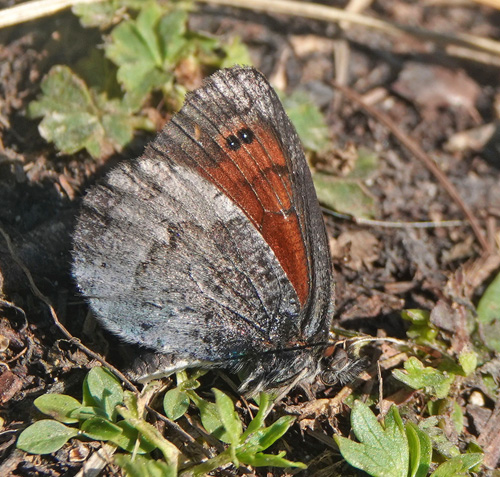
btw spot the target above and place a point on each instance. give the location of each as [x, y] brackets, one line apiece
[210, 249]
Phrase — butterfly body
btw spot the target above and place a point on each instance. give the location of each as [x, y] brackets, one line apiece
[210, 248]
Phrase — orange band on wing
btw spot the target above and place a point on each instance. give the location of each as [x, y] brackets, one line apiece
[255, 177]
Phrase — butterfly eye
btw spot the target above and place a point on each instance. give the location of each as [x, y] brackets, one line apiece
[233, 142]
[246, 135]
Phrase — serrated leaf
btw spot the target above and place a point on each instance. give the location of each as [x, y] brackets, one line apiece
[141, 466]
[138, 50]
[344, 196]
[381, 452]
[58, 406]
[420, 447]
[175, 403]
[458, 465]
[104, 390]
[419, 377]
[45, 436]
[75, 118]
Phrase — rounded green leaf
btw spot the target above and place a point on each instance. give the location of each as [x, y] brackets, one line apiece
[103, 390]
[58, 406]
[175, 403]
[45, 437]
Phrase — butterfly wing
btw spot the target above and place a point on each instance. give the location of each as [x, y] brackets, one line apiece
[211, 246]
[264, 172]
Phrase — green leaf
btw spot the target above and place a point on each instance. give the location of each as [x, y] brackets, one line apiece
[420, 447]
[468, 361]
[416, 316]
[104, 390]
[488, 315]
[137, 51]
[171, 31]
[421, 329]
[210, 417]
[381, 452]
[86, 412]
[458, 465]
[175, 403]
[268, 460]
[261, 439]
[128, 437]
[97, 14]
[228, 416]
[44, 437]
[58, 406]
[265, 403]
[308, 120]
[100, 429]
[75, 117]
[344, 196]
[419, 377]
[438, 437]
[142, 466]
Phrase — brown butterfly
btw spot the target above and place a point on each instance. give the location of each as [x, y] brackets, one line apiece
[210, 249]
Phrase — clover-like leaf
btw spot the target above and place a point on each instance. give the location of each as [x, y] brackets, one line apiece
[45, 436]
[381, 451]
[146, 49]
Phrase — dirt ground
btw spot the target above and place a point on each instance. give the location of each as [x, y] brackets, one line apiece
[443, 98]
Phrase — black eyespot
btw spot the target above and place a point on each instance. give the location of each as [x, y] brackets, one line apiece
[246, 135]
[233, 142]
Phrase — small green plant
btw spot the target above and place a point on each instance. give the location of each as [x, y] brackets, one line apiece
[393, 449]
[150, 51]
[108, 413]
